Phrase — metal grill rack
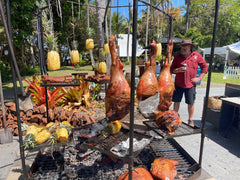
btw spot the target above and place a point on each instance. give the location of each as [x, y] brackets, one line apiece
[187, 168]
[183, 130]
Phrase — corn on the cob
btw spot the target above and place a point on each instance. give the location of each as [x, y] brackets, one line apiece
[62, 135]
[42, 136]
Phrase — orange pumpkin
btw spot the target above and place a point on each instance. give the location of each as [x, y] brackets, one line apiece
[137, 174]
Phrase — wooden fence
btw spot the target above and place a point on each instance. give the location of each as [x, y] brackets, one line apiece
[231, 73]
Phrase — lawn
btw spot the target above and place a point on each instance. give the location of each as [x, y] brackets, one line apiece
[216, 77]
[65, 70]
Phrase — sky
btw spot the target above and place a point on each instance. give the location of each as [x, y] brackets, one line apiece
[124, 10]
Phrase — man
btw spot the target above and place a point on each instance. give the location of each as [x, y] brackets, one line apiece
[185, 67]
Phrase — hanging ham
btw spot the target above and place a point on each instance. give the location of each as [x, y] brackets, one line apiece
[117, 100]
[165, 82]
[148, 84]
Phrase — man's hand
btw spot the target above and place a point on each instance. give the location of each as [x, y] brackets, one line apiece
[195, 80]
[179, 70]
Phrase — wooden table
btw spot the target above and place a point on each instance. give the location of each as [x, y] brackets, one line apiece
[235, 102]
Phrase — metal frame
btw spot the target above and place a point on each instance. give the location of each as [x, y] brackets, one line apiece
[134, 35]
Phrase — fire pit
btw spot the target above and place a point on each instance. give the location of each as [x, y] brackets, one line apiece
[89, 156]
[77, 163]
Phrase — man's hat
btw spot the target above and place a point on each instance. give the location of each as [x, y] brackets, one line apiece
[187, 41]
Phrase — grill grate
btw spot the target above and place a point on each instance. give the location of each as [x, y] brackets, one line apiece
[90, 164]
[183, 130]
[170, 149]
[104, 145]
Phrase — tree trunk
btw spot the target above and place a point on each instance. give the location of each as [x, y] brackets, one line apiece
[146, 42]
[88, 25]
[100, 7]
[129, 27]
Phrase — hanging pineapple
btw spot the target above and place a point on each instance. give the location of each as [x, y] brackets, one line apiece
[159, 49]
[74, 53]
[106, 48]
[89, 41]
[53, 58]
[102, 67]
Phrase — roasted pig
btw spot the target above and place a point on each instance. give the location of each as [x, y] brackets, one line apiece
[168, 121]
[164, 169]
[165, 82]
[117, 100]
[148, 84]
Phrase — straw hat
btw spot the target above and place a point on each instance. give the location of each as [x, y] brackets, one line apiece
[187, 41]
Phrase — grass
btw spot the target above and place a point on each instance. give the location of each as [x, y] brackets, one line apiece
[65, 70]
[217, 77]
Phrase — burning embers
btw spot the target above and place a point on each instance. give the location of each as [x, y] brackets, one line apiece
[77, 163]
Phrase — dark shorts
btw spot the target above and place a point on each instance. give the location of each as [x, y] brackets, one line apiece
[189, 93]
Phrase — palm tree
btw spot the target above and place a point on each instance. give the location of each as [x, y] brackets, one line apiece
[100, 6]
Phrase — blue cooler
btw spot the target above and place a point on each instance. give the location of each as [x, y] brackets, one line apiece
[198, 73]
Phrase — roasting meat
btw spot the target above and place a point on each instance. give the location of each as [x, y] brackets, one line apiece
[137, 174]
[57, 79]
[166, 85]
[168, 121]
[117, 101]
[164, 169]
[148, 84]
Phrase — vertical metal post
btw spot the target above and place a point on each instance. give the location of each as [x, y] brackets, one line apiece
[208, 82]
[9, 37]
[46, 100]
[170, 27]
[40, 42]
[133, 67]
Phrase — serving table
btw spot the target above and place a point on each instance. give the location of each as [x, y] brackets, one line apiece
[235, 102]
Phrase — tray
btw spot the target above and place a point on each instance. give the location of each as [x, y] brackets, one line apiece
[183, 130]
[105, 145]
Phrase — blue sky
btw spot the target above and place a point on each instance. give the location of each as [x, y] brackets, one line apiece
[124, 10]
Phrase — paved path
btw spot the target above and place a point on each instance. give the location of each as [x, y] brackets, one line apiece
[220, 155]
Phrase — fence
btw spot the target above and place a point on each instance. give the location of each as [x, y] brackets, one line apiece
[231, 73]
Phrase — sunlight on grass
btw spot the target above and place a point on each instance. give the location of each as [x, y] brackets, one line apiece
[218, 78]
[64, 71]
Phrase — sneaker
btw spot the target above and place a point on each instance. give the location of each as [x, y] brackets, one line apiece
[190, 123]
